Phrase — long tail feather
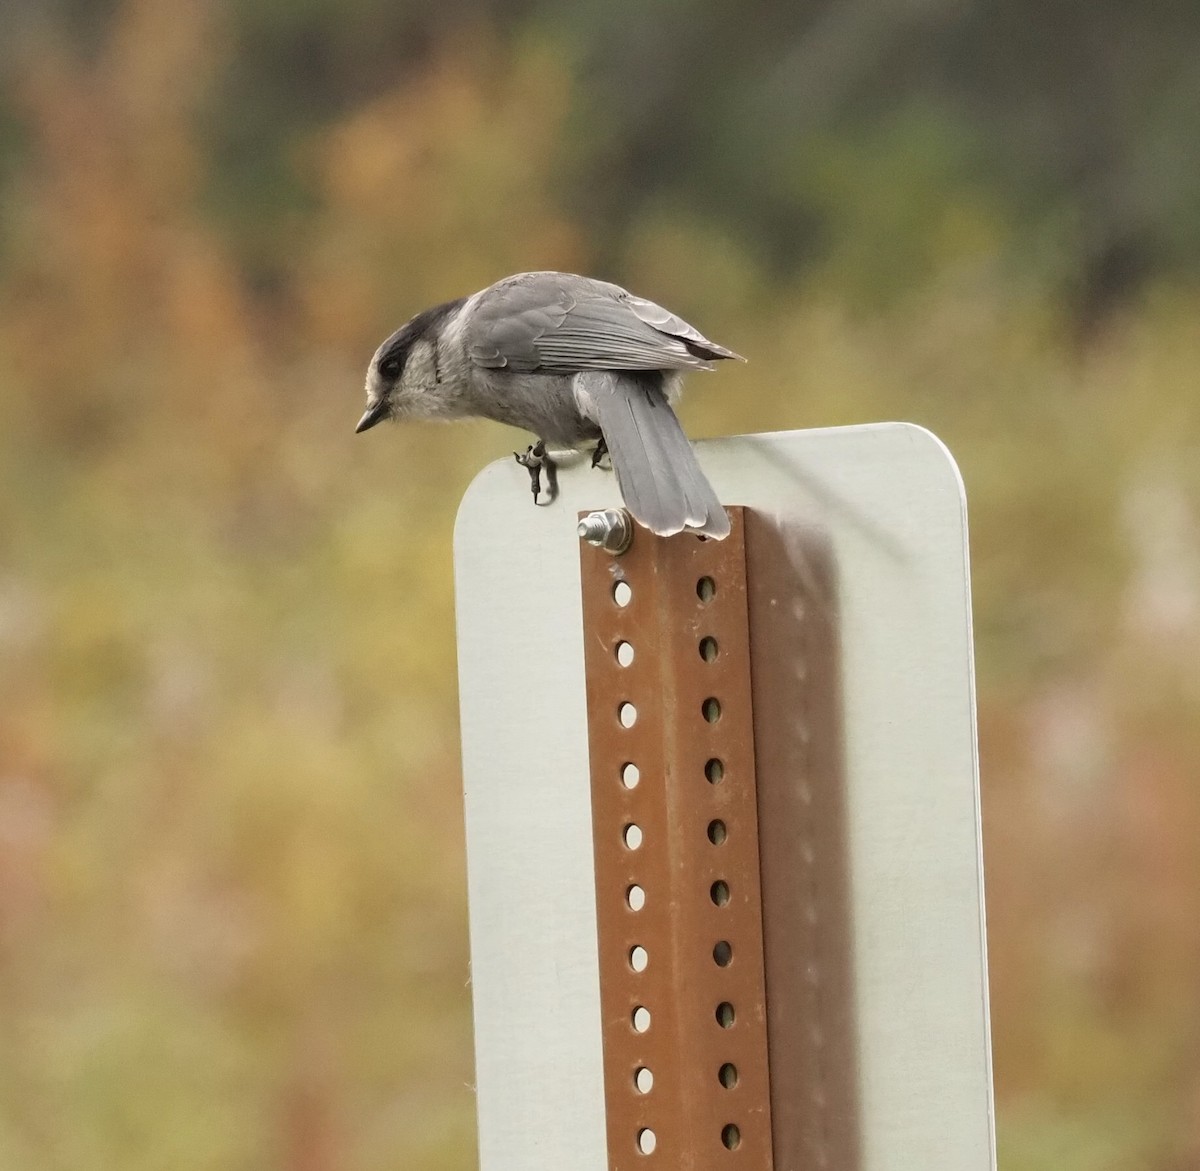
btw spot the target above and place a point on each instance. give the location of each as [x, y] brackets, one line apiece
[657, 471]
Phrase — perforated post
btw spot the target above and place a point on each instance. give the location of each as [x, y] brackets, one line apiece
[675, 830]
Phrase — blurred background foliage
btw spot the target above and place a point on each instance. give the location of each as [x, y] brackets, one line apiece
[232, 918]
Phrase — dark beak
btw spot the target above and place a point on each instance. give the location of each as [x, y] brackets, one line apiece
[373, 415]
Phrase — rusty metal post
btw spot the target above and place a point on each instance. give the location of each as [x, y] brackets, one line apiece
[675, 827]
[719, 837]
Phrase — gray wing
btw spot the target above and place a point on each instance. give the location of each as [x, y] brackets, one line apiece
[561, 323]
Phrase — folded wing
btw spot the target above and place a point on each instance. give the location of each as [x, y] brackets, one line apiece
[559, 323]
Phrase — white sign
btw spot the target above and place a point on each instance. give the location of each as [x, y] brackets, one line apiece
[889, 499]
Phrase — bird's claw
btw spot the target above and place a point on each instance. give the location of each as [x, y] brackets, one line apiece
[534, 460]
[599, 453]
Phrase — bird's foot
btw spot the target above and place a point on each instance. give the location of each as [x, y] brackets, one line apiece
[535, 460]
[601, 453]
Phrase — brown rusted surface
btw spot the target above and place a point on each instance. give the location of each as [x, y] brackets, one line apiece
[805, 870]
[680, 809]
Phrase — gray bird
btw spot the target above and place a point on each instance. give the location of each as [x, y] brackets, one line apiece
[574, 361]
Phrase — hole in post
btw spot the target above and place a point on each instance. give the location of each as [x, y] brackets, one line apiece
[706, 589]
[640, 1019]
[646, 1141]
[723, 954]
[622, 593]
[624, 653]
[708, 649]
[719, 893]
[728, 1075]
[632, 836]
[635, 898]
[643, 1079]
[630, 775]
[711, 709]
[725, 1015]
[731, 1137]
[714, 770]
[639, 957]
[627, 714]
[717, 832]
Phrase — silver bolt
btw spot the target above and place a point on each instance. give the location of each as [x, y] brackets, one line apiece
[611, 529]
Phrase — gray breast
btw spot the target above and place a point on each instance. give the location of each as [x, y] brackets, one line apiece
[543, 404]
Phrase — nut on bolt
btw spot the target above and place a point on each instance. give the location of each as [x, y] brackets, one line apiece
[611, 530]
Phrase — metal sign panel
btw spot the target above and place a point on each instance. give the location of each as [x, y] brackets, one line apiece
[883, 511]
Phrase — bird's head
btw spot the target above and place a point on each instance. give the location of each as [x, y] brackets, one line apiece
[403, 379]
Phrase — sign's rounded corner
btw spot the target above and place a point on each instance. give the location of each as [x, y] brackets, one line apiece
[939, 449]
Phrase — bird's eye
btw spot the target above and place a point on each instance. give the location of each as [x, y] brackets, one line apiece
[390, 367]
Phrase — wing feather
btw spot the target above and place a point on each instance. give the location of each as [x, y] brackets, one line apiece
[561, 323]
